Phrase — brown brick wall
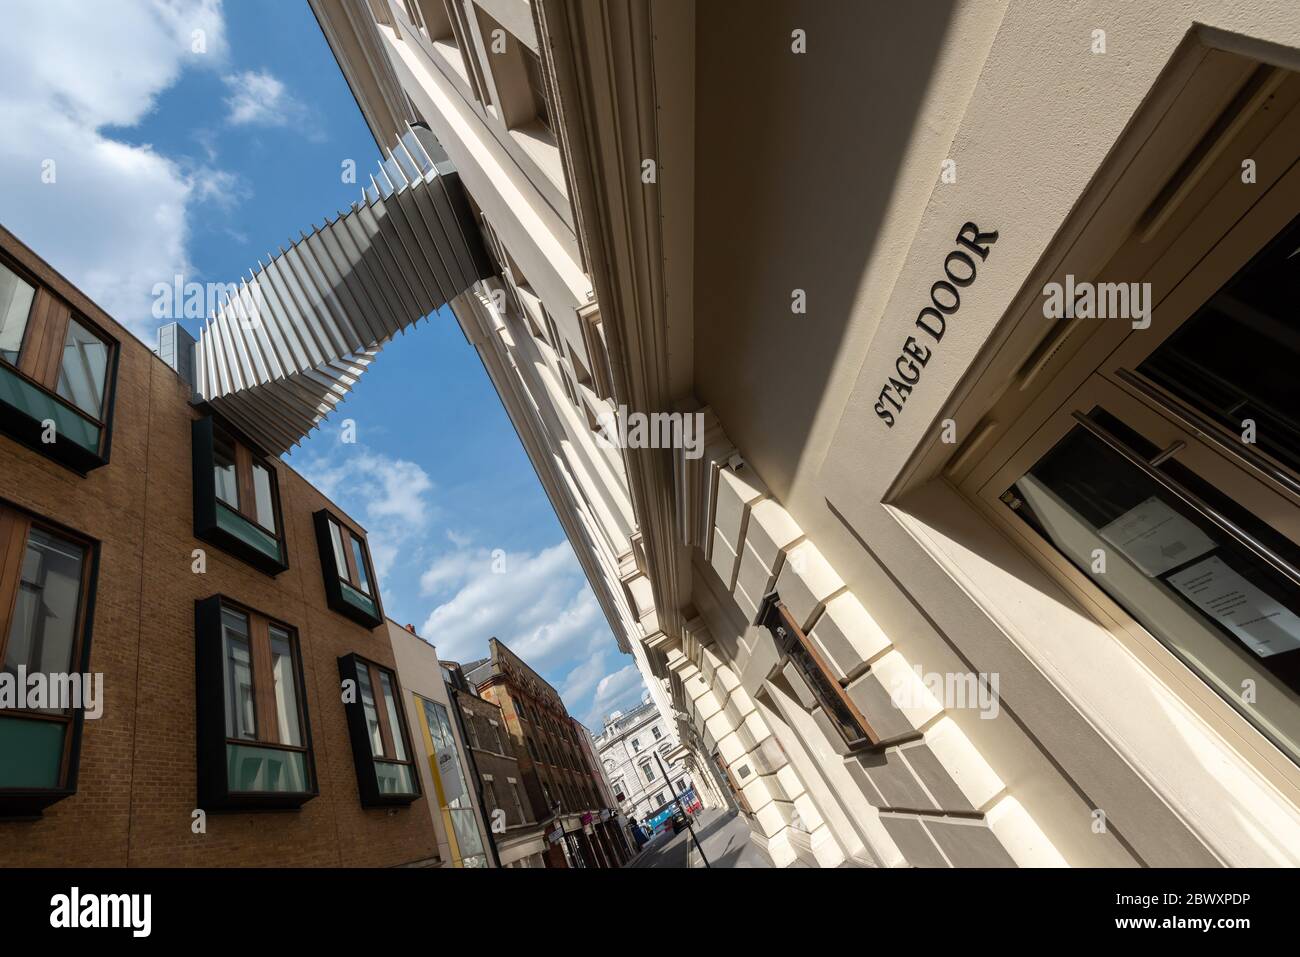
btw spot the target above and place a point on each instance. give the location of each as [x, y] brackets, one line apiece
[137, 787]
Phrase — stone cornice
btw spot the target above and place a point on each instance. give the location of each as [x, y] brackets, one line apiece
[603, 66]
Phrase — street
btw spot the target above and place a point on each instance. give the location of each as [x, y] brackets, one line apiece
[724, 835]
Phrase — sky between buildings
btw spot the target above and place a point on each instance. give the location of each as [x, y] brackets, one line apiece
[197, 154]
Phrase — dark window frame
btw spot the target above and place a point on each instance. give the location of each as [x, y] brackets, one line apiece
[29, 802]
[364, 758]
[210, 511]
[796, 648]
[212, 741]
[38, 368]
[335, 578]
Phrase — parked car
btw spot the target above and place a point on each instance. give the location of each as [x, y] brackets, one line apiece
[678, 820]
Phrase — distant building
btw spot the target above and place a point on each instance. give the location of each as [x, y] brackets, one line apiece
[459, 814]
[627, 748]
[558, 781]
[611, 812]
[514, 829]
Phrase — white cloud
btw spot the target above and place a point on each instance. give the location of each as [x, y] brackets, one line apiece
[541, 606]
[115, 217]
[619, 691]
[582, 680]
[538, 604]
[391, 497]
[257, 98]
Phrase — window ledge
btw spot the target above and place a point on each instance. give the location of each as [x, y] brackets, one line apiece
[25, 407]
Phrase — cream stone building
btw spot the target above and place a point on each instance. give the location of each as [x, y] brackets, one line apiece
[983, 547]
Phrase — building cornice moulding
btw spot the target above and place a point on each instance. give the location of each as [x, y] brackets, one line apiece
[603, 59]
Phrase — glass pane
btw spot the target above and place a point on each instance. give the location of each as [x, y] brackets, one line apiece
[40, 405]
[82, 371]
[265, 769]
[223, 465]
[340, 560]
[357, 600]
[1236, 357]
[15, 305]
[1230, 617]
[395, 726]
[368, 707]
[263, 499]
[31, 753]
[247, 532]
[394, 778]
[448, 770]
[241, 718]
[467, 836]
[358, 555]
[44, 625]
[286, 692]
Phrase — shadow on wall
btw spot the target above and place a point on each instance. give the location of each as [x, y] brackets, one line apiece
[797, 157]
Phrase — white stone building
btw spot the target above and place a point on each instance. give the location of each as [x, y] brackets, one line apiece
[627, 746]
[953, 578]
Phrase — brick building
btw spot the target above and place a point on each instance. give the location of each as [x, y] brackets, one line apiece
[221, 597]
[557, 777]
[518, 839]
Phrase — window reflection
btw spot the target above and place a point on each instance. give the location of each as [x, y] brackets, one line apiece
[241, 721]
[15, 306]
[368, 708]
[286, 695]
[1230, 617]
[390, 705]
[363, 577]
[1236, 357]
[43, 629]
[82, 369]
[263, 497]
[223, 466]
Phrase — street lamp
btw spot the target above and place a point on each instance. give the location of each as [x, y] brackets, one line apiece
[678, 801]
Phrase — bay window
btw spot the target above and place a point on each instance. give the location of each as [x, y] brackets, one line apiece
[381, 747]
[253, 735]
[46, 602]
[236, 497]
[56, 374]
[350, 587]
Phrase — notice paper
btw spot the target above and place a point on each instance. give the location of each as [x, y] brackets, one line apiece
[1264, 625]
[1155, 538]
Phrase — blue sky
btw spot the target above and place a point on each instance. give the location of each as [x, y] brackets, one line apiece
[176, 152]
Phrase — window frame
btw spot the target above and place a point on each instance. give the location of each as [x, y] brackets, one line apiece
[793, 645]
[214, 790]
[335, 579]
[1212, 466]
[37, 367]
[1106, 368]
[209, 509]
[364, 758]
[30, 802]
